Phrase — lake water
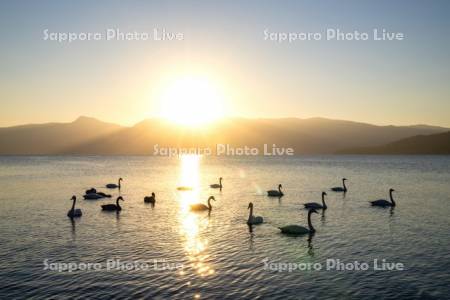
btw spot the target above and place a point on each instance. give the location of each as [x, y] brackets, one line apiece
[216, 255]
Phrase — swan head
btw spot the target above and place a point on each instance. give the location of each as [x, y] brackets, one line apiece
[324, 194]
[250, 205]
[120, 179]
[391, 190]
[280, 186]
[211, 198]
[73, 198]
[120, 198]
[344, 179]
[153, 194]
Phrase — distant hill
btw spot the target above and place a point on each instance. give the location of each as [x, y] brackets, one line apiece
[52, 138]
[421, 144]
[306, 136]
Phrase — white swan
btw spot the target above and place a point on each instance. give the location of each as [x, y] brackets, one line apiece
[275, 193]
[299, 230]
[383, 202]
[253, 220]
[113, 185]
[201, 206]
[74, 213]
[217, 186]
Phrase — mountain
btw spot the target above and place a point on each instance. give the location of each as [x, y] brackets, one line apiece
[52, 138]
[421, 144]
[306, 136]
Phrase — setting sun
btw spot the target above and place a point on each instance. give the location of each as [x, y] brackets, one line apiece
[192, 101]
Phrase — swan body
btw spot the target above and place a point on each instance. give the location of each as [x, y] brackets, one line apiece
[113, 207]
[150, 199]
[91, 191]
[297, 229]
[184, 188]
[113, 185]
[316, 205]
[74, 213]
[217, 185]
[253, 220]
[201, 206]
[275, 193]
[339, 188]
[383, 202]
[95, 196]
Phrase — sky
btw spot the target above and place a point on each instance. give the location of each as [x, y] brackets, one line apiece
[381, 82]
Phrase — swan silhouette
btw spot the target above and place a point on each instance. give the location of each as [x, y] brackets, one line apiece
[275, 193]
[74, 213]
[201, 206]
[339, 188]
[150, 199]
[113, 207]
[316, 205]
[113, 185]
[297, 229]
[217, 186]
[383, 202]
[253, 220]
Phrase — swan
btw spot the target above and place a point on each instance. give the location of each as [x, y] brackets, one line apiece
[74, 213]
[113, 185]
[217, 186]
[150, 199]
[184, 188]
[253, 220]
[384, 203]
[275, 193]
[91, 191]
[340, 189]
[115, 207]
[201, 207]
[317, 205]
[299, 230]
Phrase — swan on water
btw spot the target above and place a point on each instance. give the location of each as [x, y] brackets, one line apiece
[74, 213]
[113, 207]
[275, 193]
[297, 229]
[217, 186]
[253, 220]
[150, 199]
[339, 188]
[383, 202]
[96, 195]
[201, 206]
[317, 205]
[113, 185]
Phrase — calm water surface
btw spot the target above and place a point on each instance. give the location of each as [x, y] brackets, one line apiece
[221, 258]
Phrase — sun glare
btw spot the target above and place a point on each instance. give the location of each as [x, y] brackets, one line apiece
[192, 101]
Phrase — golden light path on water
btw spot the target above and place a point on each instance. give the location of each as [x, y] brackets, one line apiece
[192, 224]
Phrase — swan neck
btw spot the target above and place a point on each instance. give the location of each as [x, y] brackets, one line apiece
[73, 204]
[323, 201]
[250, 215]
[343, 183]
[311, 228]
[392, 199]
[209, 204]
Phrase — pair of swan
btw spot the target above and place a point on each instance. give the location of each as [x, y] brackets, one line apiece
[74, 213]
[93, 194]
[217, 186]
[383, 202]
[201, 206]
[150, 199]
[339, 188]
[113, 185]
[113, 207]
[275, 193]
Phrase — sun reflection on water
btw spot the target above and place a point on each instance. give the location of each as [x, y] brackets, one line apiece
[192, 224]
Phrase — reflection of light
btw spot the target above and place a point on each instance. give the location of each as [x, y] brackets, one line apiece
[192, 224]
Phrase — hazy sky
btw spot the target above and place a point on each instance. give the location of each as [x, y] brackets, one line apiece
[381, 82]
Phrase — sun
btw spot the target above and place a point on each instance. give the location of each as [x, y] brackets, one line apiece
[192, 101]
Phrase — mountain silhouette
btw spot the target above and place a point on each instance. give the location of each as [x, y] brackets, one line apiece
[306, 136]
